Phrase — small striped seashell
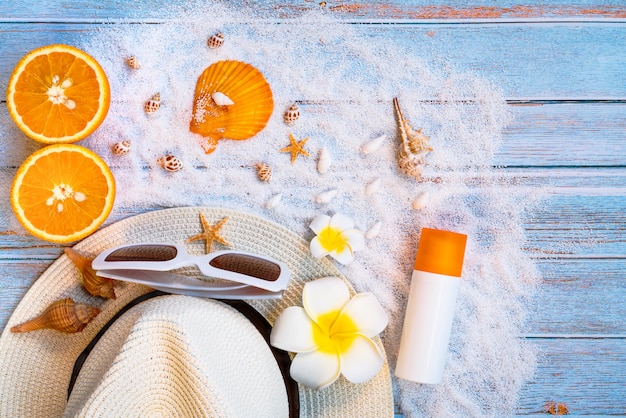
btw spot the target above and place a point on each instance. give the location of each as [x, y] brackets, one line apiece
[153, 104]
[216, 40]
[421, 201]
[95, 285]
[292, 114]
[326, 196]
[264, 172]
[274, 201]
[170, 163]
[221, 99]
[373, 187]
[374, 230]
[64, 315]
[373, 145]
[325, 161]
[133, 63]
[122, 147]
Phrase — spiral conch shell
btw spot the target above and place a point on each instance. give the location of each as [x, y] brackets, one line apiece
[95, 285]
[251, 97]
[64, 315]
[413, 148]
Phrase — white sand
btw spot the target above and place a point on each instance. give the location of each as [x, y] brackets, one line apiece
[344, 77]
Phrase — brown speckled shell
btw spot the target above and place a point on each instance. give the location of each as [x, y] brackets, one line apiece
[133, 63]
[264, 172]
[153, 104]
[216, 40]
[170, 163]
[292, 114]
[122, 147]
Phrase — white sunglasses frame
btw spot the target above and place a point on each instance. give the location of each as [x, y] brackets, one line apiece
[123, 269]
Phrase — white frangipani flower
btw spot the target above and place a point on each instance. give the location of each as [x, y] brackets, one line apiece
[331, 334]
[336, 237]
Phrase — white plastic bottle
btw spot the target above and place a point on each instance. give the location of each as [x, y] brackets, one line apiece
[430, 308]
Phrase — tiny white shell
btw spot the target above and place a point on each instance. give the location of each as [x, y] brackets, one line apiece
[325, 161]
[221, 99]
[122, 147]
[374, 230]
[326, 196]
[373, 187]
[216, 40]
[153, 104]
[292, 114]
[170, 163]
[133, 63]
[274, 201]
[373, 145]
[421, 201]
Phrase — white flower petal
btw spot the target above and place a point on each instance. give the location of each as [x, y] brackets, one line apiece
[362, 360]
[317, 249]
[323, 299]
[345, 256]
[341, 222]
[320, 223]
[355, 239]
[363, 315]
[294, 331]
[316, 370]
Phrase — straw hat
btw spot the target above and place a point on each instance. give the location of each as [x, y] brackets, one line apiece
[172, 351]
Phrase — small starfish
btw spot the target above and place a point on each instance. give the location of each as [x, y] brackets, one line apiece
[295, 148]
[211, 233]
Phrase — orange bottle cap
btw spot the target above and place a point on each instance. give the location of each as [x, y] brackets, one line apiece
[441, 252]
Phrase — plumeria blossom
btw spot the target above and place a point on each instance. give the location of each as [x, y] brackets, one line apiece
[336, 237]
[331, 334]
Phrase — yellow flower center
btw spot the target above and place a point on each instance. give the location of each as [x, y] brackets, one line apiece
[332, 239]
[335, 333]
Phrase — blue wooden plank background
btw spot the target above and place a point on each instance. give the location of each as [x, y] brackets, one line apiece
[563, 69]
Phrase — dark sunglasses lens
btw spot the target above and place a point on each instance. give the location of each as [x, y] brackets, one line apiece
[248, 265]
[143, 253]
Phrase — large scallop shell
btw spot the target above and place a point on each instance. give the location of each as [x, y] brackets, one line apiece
[64, 315]
[252, 104]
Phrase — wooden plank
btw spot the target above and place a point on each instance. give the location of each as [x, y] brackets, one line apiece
[387, 9]
[579, 297]
[587, 375]
[589, 64]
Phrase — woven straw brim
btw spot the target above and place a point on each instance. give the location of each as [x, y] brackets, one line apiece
[35, 367]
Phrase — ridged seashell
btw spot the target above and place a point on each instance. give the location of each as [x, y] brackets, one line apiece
[421, 201]
[292, 114]
[95, 285]
[274, 201]
[373, 187]
[264, 172]
[326, 196]
[373, 145]
[153, 104]
[374, 230]
[325, 161]
[170, 163]
[413, 148]
[248, 115]
[133, 63]
[221, 99]
[216, 40]
[122, 147]
[64, 315]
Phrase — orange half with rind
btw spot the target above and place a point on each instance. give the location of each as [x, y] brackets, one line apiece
[58, 94]
[241, 114]
[62, 193]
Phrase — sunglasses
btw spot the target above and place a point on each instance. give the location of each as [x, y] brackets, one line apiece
[243, 274]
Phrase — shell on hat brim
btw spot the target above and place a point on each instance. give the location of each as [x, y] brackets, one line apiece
[246, 87]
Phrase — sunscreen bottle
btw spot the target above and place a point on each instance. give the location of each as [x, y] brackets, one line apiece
[430, 308]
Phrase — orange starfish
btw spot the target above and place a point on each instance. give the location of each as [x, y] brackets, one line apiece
[211, 233]
[295, 148]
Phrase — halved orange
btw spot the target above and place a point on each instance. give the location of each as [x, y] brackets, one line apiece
[62, 193]
[58, 94]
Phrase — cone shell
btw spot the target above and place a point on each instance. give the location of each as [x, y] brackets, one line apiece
[64, 315]
[95, 285]
[248, 115]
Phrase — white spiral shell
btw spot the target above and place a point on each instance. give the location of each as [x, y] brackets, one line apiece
[325, 161]
[221, 99]
[274, 201]
[373, 145]
[327, 196]
[421, 201]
